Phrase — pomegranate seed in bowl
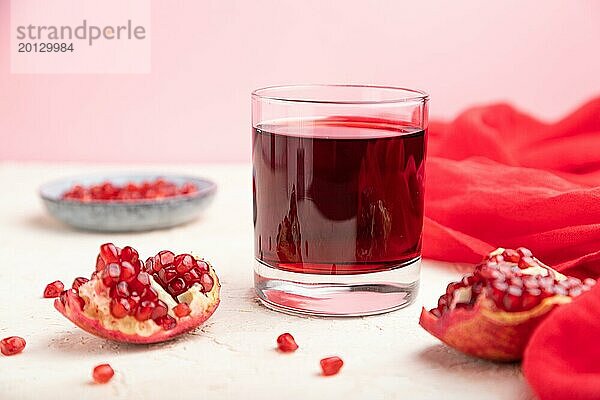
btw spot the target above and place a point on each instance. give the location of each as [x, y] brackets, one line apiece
[158, 188]
[127, 202]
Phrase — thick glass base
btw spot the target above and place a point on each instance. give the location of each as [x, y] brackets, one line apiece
[337, 295]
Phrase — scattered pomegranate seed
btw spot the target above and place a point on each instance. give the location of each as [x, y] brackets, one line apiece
[286, 343]
[12, 345]
[107, 191]
[53, 289]
[182, 310]
[331, 365]
[102, 373]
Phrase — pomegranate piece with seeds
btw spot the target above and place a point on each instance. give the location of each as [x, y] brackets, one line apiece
[492, 312]
[147, 190]
[12, 345]
[102, 373]
[286, 343]
[127, 301]
[331, 365]
[53, 289]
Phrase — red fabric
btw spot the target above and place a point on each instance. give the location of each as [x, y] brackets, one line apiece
[561, 359]
[497, 177]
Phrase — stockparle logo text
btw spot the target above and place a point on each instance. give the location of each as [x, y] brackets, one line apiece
[85, 31]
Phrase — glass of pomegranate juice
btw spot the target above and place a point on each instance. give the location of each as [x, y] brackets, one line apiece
[338, 179]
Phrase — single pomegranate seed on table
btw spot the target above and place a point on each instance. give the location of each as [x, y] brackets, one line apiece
[12, 345]
[102, 373]
[53, 289]
[286, 343]
[331, 365]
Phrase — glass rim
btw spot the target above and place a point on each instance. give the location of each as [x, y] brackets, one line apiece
[263, 94]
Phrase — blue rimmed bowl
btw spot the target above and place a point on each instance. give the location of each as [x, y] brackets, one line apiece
[126, 216]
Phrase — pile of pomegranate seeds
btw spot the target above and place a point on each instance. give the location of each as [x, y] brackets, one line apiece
[53, 289]
[504, 278]
[12, 345]
[178, 273]
[148, 190]
[331, 365]
[130, 289]
[103, 373]
[286, 343]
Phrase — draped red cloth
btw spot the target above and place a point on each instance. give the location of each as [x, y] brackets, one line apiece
[497, 177]
[561, 359]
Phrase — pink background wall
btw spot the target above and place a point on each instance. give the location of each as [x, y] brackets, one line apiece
[208, 55]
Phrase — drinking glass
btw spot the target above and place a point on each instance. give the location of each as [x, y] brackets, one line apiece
[338, 188]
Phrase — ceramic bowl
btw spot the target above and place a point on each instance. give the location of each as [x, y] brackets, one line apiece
[126, 216]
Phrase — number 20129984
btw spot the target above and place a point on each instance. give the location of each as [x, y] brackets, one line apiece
[45, 47]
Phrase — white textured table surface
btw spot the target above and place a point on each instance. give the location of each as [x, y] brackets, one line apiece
[232, 355]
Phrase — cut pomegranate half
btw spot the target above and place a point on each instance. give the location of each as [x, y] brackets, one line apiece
[125, 303]
[492, 312]
[561, 359]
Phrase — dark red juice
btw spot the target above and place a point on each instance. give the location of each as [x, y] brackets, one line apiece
[340, 195]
